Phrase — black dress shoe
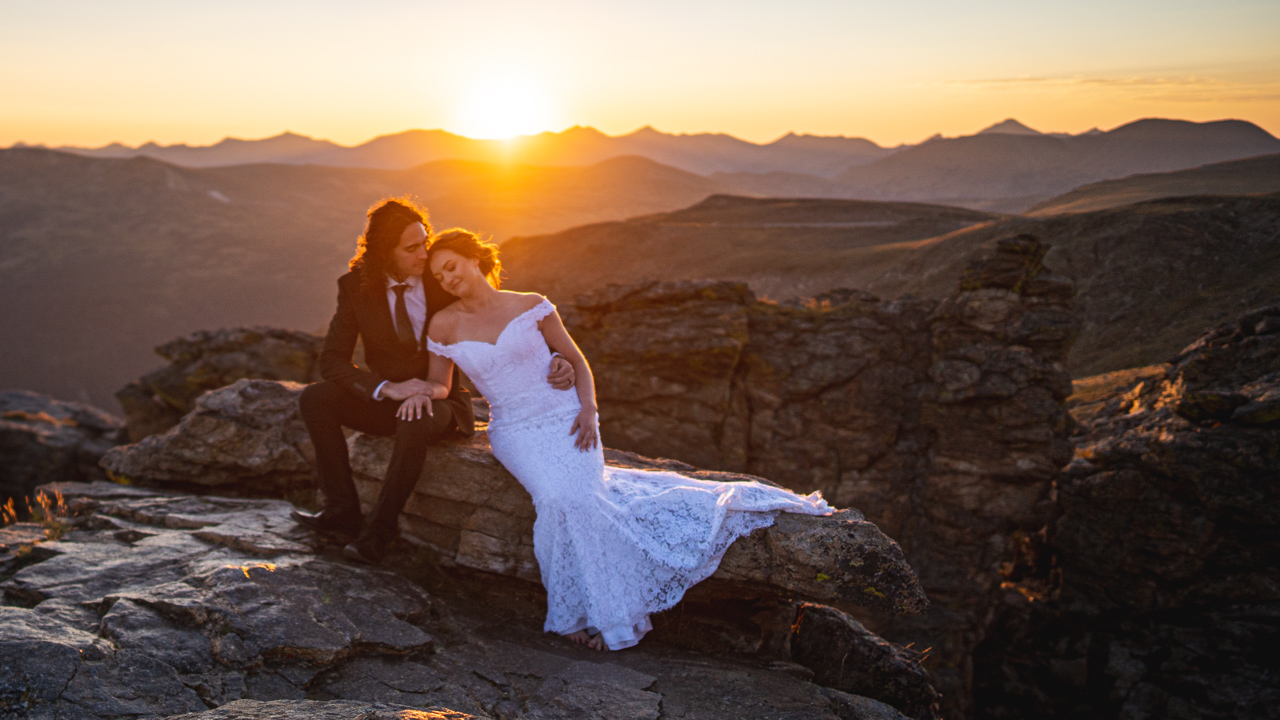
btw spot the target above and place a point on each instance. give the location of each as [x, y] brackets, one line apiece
[362, 553]
[327, 521]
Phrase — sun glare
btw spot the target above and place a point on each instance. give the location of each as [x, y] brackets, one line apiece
[504, 107]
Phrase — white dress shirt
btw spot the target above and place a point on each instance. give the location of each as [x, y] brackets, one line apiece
[415, 301]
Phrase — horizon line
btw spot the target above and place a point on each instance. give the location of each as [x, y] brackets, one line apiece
[650, 127]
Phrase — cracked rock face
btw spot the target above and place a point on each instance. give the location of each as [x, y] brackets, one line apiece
[1156, 583]
[942, 421]
[44, 440]
[147, 608]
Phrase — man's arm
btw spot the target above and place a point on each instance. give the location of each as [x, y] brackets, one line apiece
[340, 346]
[561, 375]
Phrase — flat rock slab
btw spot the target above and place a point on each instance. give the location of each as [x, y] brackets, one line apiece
[135, 614]
[315, 710]
[161, 604]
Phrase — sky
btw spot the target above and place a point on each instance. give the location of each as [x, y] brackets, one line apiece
[91, 72]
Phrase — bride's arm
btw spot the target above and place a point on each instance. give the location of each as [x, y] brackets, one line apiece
[559, 341]
[439, 382]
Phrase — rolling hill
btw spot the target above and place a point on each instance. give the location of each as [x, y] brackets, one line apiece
[781, 247]
[1251, 176]
[1150, 276]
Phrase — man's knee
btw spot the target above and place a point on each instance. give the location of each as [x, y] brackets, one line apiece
[426, 428]
[318, 397]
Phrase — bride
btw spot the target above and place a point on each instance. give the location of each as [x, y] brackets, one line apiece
[614, 545]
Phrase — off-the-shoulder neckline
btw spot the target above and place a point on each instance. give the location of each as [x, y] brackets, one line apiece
[506, 327]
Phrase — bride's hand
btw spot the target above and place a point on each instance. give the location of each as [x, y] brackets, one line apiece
[413, 408]
[585, 426]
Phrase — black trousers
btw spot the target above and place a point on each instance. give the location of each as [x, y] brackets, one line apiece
[327, 408]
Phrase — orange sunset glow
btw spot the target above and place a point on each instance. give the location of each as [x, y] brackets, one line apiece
[88, 74]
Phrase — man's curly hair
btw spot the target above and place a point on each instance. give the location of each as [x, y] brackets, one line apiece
[387, 221]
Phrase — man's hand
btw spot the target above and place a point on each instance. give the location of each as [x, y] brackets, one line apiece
[561, 376]
[403, 390]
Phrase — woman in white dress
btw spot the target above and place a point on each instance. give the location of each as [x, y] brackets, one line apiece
[614, 545]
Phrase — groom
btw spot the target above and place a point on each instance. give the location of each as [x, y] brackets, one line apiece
[388, 301]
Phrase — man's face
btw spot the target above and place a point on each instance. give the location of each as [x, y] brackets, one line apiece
[410, 255]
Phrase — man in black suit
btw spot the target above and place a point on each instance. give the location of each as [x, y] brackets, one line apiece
[388, 301]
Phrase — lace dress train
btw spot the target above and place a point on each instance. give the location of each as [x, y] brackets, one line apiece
[614, 545]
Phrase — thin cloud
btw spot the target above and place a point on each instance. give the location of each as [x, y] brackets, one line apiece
[1179, 88]
[1083, 80]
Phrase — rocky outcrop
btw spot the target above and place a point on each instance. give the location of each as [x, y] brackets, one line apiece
[44, 440]
[475, 517]
[157, 604]
[204, 361]
[245, 439]
[1155, 588]
[941, 420]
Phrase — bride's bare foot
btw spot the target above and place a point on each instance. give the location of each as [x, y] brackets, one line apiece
[580, 637]
[597, 643]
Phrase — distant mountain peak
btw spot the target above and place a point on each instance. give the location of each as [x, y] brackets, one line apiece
[1009, 127]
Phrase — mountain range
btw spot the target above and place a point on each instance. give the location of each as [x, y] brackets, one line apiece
[1007, 167]
[101, 259]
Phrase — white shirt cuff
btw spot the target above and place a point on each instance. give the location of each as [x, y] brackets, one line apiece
[378, 390]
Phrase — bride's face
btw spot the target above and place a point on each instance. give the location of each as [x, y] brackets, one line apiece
[457, 274]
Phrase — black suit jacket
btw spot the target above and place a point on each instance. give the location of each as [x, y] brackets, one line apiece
[368, 316]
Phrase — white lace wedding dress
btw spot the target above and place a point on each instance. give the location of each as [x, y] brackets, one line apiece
[614, 545]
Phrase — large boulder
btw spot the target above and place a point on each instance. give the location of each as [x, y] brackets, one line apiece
[245, 439]
[474, 514]
[1154, 589]
[45, 440]
[157, 604]
[204, 361]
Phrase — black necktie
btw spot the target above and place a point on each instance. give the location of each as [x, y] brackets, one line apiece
[404, 326]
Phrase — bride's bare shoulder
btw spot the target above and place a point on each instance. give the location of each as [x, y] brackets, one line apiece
[525, 301]
[444, 325]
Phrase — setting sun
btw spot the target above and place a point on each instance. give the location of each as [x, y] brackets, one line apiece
[501, 107]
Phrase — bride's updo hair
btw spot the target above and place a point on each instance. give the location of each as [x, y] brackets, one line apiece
[469, 245]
